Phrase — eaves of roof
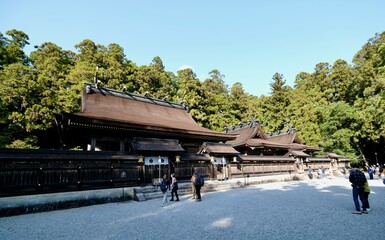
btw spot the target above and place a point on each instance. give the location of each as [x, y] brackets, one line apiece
[265, 158]
[156, 145]
[298, 153]
[218, 148]
[194, 157]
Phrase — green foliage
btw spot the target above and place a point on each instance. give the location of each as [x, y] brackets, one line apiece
[28, 143]
[215, 100]
[155, 81]
[243, 107]
[273, 109]
[190, 93]
[11, 49]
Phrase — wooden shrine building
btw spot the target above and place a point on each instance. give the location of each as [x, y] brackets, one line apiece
[129, 140]
[161, 134]
[263, 153]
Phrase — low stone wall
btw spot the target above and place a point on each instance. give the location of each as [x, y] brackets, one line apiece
[18, 205]
[10, 206]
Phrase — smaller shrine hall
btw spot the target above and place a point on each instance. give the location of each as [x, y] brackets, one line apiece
[284, 149]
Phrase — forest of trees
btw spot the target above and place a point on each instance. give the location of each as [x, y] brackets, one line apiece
[339, 106]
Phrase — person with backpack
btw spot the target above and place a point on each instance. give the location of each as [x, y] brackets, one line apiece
[198, 182]
[164, 185]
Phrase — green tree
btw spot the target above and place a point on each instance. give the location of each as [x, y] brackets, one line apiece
[243, 106]
[342, 82]
[302, 113]
[17, 95]
[154, 80]
[11, 49]
[215, 100]
[190, 93]
[51, 68]
[273, 108]
[338, 129]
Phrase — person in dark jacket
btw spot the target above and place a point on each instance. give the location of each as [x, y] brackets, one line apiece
[197, 186]
[358, 179]
[164, 186]
[174, 188]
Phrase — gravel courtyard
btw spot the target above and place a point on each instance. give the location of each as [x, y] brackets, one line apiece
[309, 209]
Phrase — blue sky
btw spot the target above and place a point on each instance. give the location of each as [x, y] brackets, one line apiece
[246, 40]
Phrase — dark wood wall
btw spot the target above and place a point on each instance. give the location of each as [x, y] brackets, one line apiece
[43, 171]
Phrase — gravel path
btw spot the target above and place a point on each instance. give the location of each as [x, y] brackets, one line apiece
[309, 209]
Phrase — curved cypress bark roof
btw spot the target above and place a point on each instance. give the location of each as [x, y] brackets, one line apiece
[109, 107]
[251, 135]
[218, 148]
[291, 138]
[286, 138]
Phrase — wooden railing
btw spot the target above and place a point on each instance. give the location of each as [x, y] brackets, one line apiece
[31, 172]
[46, 171]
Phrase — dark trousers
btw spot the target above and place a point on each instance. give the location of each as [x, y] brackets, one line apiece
[198, 192]
[359, 192]
[174, 191]
[371, 175]
[366, 196]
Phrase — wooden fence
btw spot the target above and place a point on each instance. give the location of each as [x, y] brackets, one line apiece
[46, 171]
[31, 172]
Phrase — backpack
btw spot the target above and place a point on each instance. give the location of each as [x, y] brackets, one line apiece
[163, 186]
[200, 181]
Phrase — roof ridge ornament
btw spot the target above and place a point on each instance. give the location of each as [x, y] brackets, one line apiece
[91, 88]
[250, 124]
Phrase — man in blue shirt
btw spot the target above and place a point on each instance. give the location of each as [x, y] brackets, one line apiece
[358, 179]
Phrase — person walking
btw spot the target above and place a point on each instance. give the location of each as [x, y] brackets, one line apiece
[344, 169]
[193, 180]
[366, 195]
[164, 185]
[174, 188]
[198, 183]
[380, 170]
[310, 172]
[358, 179]
[323, 171]
[370, 172]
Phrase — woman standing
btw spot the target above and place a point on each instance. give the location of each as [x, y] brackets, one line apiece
[174, 188]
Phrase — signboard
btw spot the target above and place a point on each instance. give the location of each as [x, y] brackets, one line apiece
[156, 160]
[219, 161]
